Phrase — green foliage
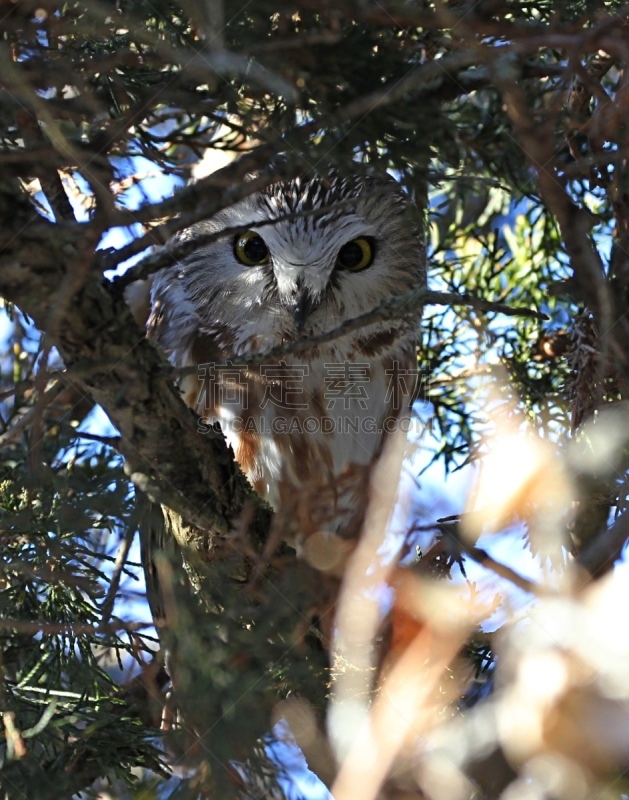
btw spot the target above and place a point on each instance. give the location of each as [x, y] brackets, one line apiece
[493, 244]
[86, 88]
[66, 719]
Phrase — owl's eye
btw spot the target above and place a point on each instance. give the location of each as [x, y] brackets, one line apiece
[250, 249]
[356, 255]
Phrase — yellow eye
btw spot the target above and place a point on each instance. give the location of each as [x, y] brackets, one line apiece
[356, 255]
[250, 249]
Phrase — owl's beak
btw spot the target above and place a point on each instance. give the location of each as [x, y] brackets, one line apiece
[304, 305]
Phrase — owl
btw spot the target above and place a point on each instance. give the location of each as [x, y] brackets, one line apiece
[307, 254]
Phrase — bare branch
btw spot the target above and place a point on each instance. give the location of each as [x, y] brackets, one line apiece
[175, 251]
[601, 554]
[393, 308]
[196, 202]
[25, 420]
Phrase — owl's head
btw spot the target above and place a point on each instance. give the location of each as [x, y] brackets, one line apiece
[315, 251]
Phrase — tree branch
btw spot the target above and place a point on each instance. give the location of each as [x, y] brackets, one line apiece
[601, 554]
[393, 308]
[164, 454]
[197, 201]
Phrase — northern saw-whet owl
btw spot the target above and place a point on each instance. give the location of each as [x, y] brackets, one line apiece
[316, 251]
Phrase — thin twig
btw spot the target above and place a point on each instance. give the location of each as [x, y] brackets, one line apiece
[108, 441]
[41, 403]
[25, 420]
[175, 251]
[483, 558]
[402, 305]
[119, 565]
[450, 541]
[599, 557]
[70, 628]
[197, 201]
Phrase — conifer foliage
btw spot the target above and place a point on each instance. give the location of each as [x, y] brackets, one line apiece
[498, 664]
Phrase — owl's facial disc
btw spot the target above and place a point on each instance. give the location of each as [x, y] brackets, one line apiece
[301, 264]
